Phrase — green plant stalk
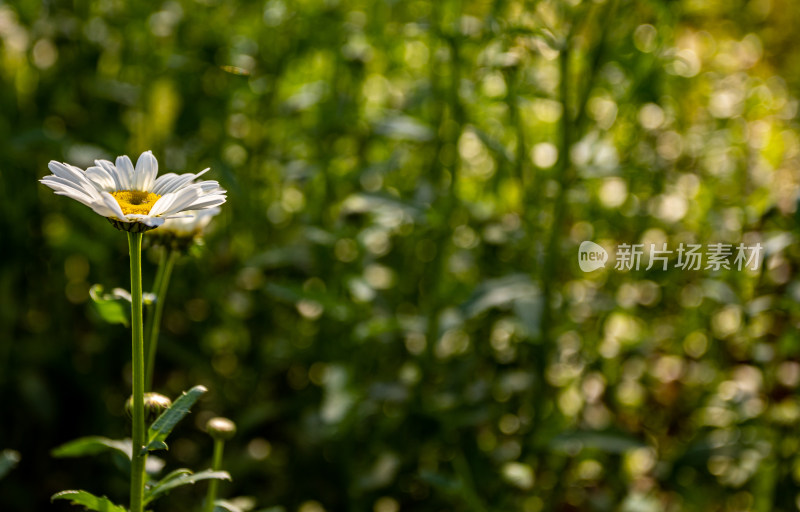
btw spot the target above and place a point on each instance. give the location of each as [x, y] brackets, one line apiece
[150, 311]
[137, 358]
[154, 320]
[216, 465]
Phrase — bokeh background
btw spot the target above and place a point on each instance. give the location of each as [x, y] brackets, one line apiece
[390, 305]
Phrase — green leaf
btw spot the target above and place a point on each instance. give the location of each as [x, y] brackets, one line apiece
[604, 441]
[181, 477]
[500, 292]
[89, 500]
[92, 445]
[239, 504]
[225, 506]
[404, 128]
[8, 459]
[112, 307]
[164, 424]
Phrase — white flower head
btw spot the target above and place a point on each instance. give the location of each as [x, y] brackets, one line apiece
[189, 225]
[133, 198]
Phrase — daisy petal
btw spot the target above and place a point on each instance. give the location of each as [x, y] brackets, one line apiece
[76, 196]
[179, 201]
[204, 202]
[148, 220]
[176, 182]
[67, 172]
[163, 203]
[113, 205]
[101, 209]
[125, 172]
[82, 186]
[101, 178]
[146, 170]
[163, 182]
[111, 169]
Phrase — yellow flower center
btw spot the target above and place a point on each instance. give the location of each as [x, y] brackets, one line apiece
[135, 201]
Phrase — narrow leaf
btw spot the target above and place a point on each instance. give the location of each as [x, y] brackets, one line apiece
[153, 486]
[182, 477]
[499, 293]
[226, 506]
[172, 474]
[238, 504]
[89, 500]
[164, 424]
[606, 441]
[92, 445]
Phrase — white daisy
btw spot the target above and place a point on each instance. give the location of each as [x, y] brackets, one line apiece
[133, 199]
[190, 225]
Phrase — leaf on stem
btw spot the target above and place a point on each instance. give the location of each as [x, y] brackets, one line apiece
[89, 500]
[226, 506]
[242, 504]
[164, 424]
[181, 477]
[92, 445]
[238, 504]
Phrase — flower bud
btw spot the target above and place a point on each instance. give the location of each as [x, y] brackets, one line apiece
[221, 429]
[154, 405]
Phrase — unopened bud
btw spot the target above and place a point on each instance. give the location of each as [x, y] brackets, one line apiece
[154, 405]
[221, 429]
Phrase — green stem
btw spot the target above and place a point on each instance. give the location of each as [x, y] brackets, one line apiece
[154, 327]
[137, 343]
[216, 465]
[149, 313]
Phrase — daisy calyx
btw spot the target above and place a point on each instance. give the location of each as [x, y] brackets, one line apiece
[134, 198]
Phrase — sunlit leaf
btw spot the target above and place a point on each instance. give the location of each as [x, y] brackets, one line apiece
[92, 445]
[239, 504]
[501, 292]
[404, 128]
[164, 424]
[181, 477]
[89, 500]
[610, 442]
[226, 506]
[234, 70]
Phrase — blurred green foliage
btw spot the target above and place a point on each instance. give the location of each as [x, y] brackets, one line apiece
[390, 305]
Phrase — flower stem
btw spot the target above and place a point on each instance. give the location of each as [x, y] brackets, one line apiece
[137, 358]
[150, 312]
[160, 287]
[216, 465]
